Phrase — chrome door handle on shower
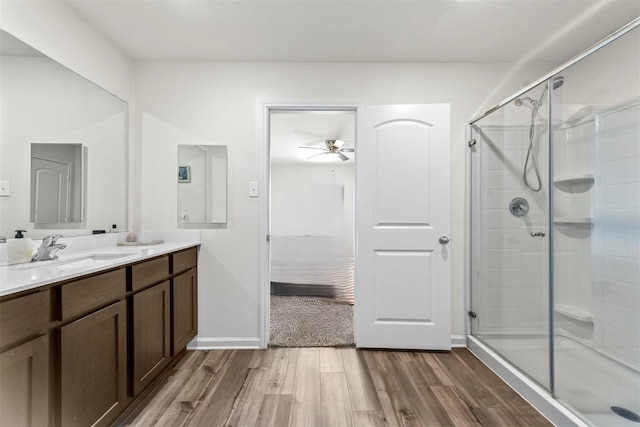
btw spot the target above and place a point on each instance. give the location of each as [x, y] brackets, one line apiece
[443, 240]
[537, 234]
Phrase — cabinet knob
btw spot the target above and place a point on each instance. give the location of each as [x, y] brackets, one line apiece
[443, 240]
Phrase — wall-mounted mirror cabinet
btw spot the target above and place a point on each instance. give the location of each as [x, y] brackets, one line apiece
[202, 186]
[45, 103]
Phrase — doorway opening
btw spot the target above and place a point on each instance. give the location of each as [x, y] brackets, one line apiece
[311, 226]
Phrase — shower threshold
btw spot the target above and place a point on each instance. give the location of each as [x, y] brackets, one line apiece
[587, 382]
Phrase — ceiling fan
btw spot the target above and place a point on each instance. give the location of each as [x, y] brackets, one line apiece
[332, 146]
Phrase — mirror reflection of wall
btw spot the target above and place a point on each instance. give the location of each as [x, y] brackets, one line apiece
[57, 185]
[202, 185]
[44, 102]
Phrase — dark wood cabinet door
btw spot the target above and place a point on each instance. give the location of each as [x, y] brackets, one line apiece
[93, 367]
[184, 311]
[24, 384]
[151, 329]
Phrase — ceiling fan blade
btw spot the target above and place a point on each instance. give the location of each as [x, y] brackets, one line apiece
[348, 150]
[313, 148]
[319, 154]
[342, 156]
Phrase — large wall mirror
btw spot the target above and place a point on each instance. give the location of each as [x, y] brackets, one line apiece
[202, 186]
[49, 110]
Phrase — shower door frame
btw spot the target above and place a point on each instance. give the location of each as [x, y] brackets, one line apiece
[540, 398]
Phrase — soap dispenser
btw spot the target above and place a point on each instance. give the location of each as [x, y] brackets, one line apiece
[19, 248]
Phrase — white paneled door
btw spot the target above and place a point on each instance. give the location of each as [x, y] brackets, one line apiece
[403, 274]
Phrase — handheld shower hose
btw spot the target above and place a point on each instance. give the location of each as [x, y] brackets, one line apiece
[531, 157]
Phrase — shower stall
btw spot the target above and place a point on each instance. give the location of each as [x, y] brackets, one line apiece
[554, 237]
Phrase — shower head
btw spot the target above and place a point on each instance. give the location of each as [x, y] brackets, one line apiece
[557, 82]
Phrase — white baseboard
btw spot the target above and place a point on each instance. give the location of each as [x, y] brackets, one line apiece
[208, 343]
[458, 341]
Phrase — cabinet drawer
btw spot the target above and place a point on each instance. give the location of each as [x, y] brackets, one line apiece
[149, 272]
[185, 260]
[23, 317]
[93, 292]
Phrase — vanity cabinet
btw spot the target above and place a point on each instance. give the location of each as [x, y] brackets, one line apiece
[78, 352]
[151, 334]
[93, 367]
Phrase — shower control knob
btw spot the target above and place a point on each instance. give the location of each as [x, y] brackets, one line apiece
[519, 206]
[443, 240]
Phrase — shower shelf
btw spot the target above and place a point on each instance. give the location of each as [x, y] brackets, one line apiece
[573, 312]
[582, 179]
[574, 221]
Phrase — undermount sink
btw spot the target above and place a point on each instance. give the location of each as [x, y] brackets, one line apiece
[72, 264]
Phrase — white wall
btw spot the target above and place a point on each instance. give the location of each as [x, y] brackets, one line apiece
[223, 103]
[313, 200]
[55, 29]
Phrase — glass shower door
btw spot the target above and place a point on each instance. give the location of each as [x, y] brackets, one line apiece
[596, 253]
[510, 233]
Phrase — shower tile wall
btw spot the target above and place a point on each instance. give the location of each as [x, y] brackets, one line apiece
[617, 234]
[513, 292]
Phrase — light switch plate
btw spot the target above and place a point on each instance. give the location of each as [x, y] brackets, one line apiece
[253, 189]
[5, 189]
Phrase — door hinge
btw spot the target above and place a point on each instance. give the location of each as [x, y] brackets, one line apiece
[268, 237]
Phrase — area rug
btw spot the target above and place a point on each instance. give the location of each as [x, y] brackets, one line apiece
[310, 322]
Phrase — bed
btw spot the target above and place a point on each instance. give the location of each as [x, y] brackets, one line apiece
[312, 266]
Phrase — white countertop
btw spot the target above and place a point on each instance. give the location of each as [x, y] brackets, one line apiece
[21, 277]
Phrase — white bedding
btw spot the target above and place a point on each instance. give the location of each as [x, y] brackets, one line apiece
[320, 264]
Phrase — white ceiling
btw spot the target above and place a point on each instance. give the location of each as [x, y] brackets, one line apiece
[357, 30]
[550, 31]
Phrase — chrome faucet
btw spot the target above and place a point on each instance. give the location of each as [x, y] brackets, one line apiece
[49, 248]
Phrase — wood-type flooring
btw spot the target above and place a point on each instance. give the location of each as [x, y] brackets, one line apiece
[309, 387]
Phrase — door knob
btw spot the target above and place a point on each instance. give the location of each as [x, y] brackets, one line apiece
[443, 239]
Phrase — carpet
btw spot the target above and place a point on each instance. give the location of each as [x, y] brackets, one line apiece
[298, 321]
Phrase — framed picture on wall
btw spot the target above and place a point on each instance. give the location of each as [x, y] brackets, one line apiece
[184, 174]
